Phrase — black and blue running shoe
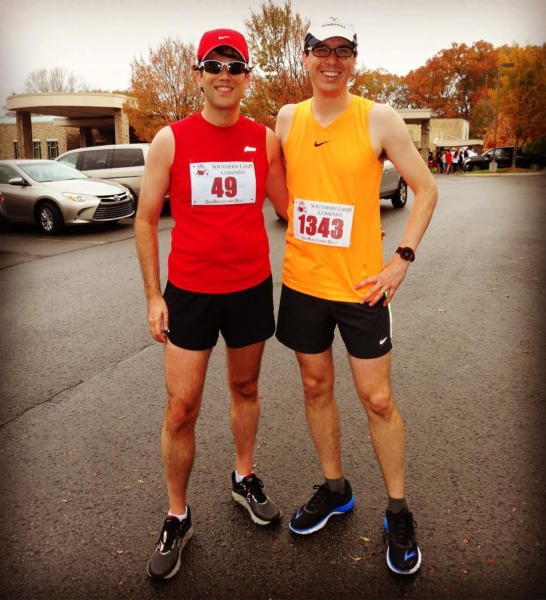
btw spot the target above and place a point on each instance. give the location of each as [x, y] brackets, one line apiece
[315, 514]
[403, 555]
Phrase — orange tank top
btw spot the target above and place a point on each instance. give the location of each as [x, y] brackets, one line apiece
[333, 239]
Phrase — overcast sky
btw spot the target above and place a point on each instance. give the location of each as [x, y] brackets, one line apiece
[97, 39]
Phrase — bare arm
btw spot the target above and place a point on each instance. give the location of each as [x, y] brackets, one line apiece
[155, 184]
[275, 185]
[391, 138]
[284, 121]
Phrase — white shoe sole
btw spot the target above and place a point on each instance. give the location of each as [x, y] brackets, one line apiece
[414, 570]
[317, 527]
[243, 502]
[185, 540]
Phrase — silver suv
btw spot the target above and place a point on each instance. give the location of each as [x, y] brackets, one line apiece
[123, 163]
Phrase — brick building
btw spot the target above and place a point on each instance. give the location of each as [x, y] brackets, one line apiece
[48, 140]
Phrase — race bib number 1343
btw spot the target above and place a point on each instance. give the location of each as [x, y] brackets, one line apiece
[323, 223]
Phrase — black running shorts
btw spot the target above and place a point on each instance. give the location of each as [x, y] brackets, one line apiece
[306, 324]
[243, 318]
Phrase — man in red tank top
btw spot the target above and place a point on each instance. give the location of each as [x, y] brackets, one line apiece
[218, 166]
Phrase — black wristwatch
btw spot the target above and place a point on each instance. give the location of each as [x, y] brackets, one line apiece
[406, 253]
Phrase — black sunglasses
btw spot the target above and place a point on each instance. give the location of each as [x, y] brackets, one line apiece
[235, 67]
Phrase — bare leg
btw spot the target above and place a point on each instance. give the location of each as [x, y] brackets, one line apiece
[317, 373]
[372, 380]
[185, 372]
[243, 366]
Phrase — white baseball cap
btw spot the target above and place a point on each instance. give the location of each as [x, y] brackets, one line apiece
[332, 27]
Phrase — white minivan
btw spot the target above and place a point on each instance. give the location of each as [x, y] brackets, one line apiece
[123, 163]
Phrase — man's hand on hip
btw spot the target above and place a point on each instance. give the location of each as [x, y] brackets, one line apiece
[384, 283]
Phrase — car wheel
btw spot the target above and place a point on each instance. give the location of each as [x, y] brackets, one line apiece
[475, 168]
[401, 196]
[535, 167]
[280, 217]
[50, 218]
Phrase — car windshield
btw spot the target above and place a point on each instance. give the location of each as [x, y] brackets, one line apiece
[50, 171]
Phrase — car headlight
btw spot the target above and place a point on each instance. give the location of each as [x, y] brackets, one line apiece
[80, 197]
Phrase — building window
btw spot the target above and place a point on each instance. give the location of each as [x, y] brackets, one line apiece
[36, 149]
[52, 149]
[15, 149]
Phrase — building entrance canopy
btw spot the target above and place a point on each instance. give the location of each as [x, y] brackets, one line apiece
[81, 109]
[72, 105]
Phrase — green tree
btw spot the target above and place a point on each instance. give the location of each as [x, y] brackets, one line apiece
[537, 146]
[163, 88]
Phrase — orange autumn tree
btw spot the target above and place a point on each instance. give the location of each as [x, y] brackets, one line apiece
[453, 81]
[505, 136]
[275, 35]
[163, 88]
[380, 86]
[522, 101]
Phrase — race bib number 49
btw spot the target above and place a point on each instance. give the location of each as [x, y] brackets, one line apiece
[323, 223]
[222, 183]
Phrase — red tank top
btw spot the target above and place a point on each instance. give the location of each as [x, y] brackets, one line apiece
[219, 242]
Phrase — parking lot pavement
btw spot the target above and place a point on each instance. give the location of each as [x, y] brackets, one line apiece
[25, 243]
[82, 401]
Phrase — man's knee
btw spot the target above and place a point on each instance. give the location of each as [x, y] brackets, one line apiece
[180, 413]
[317, 387]
[244, 389]
[380, 402]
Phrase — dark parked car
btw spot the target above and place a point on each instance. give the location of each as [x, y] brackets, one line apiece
[503, 157]
[4, 221]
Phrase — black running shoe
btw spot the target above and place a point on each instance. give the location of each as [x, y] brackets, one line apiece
[315, 514]
[174, 535]
[403, 555]
[249, 494]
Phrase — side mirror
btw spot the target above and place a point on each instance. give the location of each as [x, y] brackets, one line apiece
[18, 181]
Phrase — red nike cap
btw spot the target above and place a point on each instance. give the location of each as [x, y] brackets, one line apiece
[222, 37]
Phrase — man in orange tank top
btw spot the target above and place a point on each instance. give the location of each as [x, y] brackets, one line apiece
[334, 274]
[218, 166]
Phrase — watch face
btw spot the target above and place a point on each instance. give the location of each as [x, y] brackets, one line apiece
[406, 253]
